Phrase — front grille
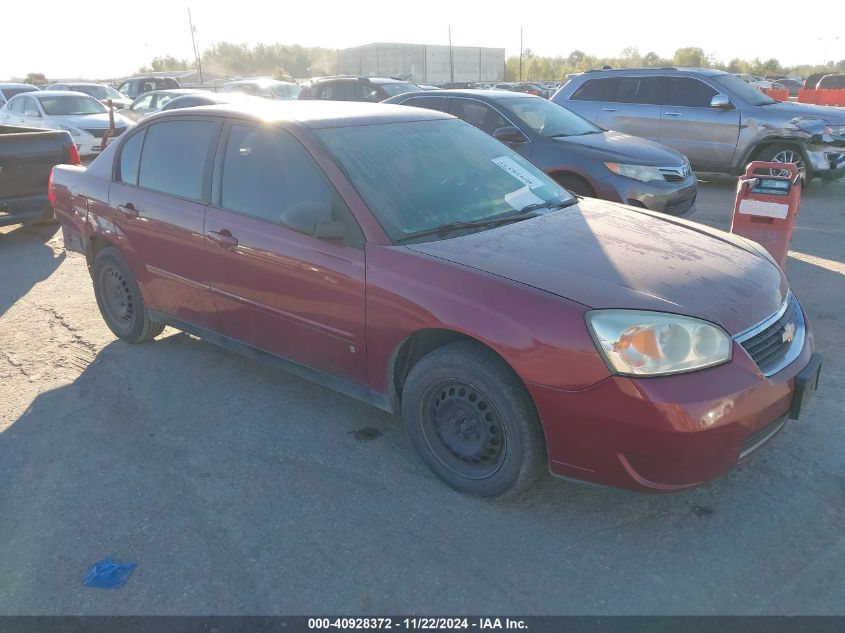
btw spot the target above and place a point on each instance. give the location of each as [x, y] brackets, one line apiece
[759, 437]
[772, 345]
[679, 206]
[675, 174]
[99, 133]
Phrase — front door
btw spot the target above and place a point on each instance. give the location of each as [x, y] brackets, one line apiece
[706, 135]
[277, 287]
[159, 197]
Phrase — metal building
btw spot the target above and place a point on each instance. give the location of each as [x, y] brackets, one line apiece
[423, 63]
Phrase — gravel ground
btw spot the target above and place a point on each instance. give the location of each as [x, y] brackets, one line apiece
[239, 489]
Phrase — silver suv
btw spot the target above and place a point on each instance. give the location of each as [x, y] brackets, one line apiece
[716, 119]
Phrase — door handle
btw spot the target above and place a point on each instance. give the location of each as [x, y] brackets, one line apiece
[223, 238]
[128, 210]
[610, 109]
[672, 113]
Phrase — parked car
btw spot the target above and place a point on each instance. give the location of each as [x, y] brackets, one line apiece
[428, 87]
[135, 87]
[206, 98]
[356, 88]
[100, 92]
[151, 102]
[715, 119]
[9, 90]
[576, 153]
[266, 88]
[812, 81]
[760, 83]
[793, 85]
[26, 157]
[831, 82]
[524, 87]
[84, 117]
[406, 258]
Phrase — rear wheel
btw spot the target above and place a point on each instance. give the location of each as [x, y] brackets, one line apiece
[119, 299]
[575, 184]
[472, 421]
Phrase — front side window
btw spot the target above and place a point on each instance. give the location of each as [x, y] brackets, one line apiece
[399, 88]
[416, 176]
[175, 156]
[98, 92]
[478, 114]
[337, 91]
[430, 103]
[68, 105]
[30, 105]
[17, 105]
[689, 93]
[597, 90]
[130, 159]
[549, 119]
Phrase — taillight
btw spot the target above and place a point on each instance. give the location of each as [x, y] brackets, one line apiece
[73, 155]
[51, 192]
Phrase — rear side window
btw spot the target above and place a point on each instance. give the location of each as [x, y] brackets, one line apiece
[368, 92]
[646, 90]
[130, 159]
[832, 82]
[336, 91]
[597, 90]
[175, 156]
[688, 92]
[430, 103]
[16, 105]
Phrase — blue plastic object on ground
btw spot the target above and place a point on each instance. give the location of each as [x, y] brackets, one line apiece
[108, 575]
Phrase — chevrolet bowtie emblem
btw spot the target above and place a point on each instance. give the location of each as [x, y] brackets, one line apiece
[788, 333]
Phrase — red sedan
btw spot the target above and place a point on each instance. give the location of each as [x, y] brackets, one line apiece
[405, 258]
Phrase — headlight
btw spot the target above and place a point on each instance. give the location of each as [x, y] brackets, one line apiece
[637, 172]
[73, 131]
[641, 343]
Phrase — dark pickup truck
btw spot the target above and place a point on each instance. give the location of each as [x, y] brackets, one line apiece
[27, 156]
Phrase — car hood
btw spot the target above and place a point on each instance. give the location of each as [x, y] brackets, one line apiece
[606, 255]
[615, 146]
[92, 121]
[789, 110]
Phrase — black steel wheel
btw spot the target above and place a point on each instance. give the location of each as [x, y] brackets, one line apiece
[472, 421]
[119, 299]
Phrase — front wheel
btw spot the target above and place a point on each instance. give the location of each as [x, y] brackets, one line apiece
[119, 299]
[784, 154]
[472, 421]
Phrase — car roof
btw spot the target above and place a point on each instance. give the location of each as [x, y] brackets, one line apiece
[76, 83]
[707, 72]
[259, 82]
[172, 91]
[50, 94]
[314, 114]
[374, 80]
[482, 95]
[11, 84]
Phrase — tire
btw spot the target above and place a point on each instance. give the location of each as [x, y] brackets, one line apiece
[575, 184]
[779, 154]
[119, 299]
[472, 421]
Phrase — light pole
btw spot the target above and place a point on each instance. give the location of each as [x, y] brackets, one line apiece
[826, 41]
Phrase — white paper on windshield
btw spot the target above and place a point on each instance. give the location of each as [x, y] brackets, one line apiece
[521, 198]
[517, 171]
[763, 208]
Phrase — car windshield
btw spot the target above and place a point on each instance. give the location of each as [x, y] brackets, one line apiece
[98, 92]
[289, 91]
[416, 176]
[11, 92]
[68, 105]
[547, 118]
[743, 90]
[399, 88]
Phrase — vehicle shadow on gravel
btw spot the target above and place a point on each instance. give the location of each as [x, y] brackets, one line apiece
[239, 488]
[24, 266]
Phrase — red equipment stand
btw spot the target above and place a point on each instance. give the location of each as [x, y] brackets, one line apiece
[766, 206]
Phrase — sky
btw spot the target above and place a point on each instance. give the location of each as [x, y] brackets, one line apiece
[63, 39]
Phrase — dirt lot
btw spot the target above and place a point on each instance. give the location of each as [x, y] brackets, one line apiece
[240, 489]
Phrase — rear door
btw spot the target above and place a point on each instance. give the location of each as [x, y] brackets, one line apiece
[706, 135]
[589, 99]
[634, 108]
[158, 200]
[279, 289]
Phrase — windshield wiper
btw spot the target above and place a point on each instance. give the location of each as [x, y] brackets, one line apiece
[545, 205]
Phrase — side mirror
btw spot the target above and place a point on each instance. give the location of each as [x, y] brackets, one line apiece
[33, 114]
[722, 102]
[334, 230]
[509, 134]
[306, 217]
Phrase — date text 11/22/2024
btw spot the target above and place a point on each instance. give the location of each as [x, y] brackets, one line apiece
[411, 624]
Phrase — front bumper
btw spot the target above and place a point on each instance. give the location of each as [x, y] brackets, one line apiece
[674, 198]
[827, 161]
[667, 433]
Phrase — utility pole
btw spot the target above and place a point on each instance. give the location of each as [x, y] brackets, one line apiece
[520, 53]
[451, 60]
[194, 45]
